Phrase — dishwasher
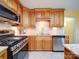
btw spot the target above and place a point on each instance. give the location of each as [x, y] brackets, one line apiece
[58, 43]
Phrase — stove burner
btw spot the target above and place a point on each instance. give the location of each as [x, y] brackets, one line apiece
[6, 42]
[10, 40]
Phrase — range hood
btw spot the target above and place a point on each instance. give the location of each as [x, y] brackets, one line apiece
[8, 14]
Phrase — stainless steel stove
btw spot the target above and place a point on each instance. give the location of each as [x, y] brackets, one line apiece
[15, 44]
[5, 42]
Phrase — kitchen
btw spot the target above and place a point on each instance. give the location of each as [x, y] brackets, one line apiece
[32, 31]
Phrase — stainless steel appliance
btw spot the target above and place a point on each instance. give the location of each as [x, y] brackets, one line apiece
[15, 44]
[58, 43]
[6, 13]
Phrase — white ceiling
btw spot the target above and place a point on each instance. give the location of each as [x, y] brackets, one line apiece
[69, 5]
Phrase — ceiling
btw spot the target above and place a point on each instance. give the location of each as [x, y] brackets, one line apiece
[69, 5]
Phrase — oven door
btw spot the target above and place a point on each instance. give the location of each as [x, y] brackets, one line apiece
[21, 55]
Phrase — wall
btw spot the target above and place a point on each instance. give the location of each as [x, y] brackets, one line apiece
[76, 14]
[70, 28]
[4, 26]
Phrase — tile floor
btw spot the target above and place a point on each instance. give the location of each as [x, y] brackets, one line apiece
[45, 55]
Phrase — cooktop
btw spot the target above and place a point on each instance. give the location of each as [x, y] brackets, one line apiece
[11, 40]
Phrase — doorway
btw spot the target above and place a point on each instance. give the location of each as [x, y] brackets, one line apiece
[71, 29]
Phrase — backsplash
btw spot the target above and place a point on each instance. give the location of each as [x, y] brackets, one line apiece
[42, 28]
[57, 31]
[5, 26]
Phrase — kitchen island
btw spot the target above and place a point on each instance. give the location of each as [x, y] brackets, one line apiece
[3, 52]
[71, 51]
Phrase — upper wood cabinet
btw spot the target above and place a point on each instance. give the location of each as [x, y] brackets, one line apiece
[57, 18]
[4, 1]
[25, 17]
[32, 19]
[12, 4]
[19, 8]
[42, 14]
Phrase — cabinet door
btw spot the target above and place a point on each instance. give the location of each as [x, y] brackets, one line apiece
[57, 18]
[47, 13]
[15, 5]
[61, 13]
[52, 18]
[12, 4]
[3, 54]
[39, 43]
[66, 39]
[47, 44]
[38, 14]
[32, 18]
[19, 7]
[31, 43]
[42, 14]
[4, 1]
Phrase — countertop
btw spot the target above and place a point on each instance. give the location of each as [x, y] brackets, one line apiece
[2, 48]
[42, 35]
[73, 48]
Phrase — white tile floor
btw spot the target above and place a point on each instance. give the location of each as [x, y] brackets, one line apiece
[45, 55]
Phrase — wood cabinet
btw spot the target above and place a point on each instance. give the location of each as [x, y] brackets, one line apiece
[32, 19]
[19, 8]
[31, 43]
[47, 43]
[25, 20]
[40, 43]
[66, 39]
[57, 18]
[3, 54]
[4, 1]
[42, 14]
[70, 55]
[12, 4]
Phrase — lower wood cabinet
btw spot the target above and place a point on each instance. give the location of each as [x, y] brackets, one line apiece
[48, 44]
[66, 39]
[69, 55]
[40, 43]
[3, 54]
[31, 43]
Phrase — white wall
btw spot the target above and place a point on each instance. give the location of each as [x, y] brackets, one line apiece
[5, 26]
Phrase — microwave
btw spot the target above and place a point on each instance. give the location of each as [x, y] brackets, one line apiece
[6, 13]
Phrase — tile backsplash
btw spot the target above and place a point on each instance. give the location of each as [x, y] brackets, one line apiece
[57, 31]
[5, 26]
[42, 28]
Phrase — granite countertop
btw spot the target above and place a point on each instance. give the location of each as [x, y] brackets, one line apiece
[2, 48]
[73, 48]
[43, 35]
